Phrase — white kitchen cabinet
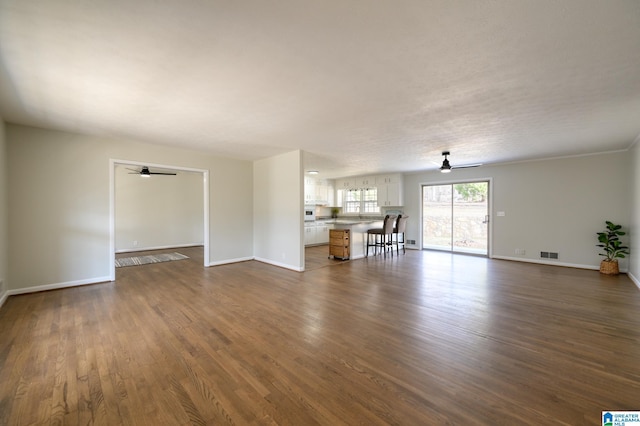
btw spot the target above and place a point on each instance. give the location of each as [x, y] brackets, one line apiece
[324, 192]
[316, 233]
[309, 190]
[322, 233]
[318, 191]
[390, 190]
[348, 183]
[387, 179]
[366, 181]
[309, 234]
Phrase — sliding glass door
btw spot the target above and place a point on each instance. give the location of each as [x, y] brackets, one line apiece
[455, 217]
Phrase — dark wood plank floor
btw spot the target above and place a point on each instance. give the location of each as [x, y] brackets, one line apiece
[423, 338]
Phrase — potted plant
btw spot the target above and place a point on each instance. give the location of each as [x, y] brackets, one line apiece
[612, 248]
[334, 212]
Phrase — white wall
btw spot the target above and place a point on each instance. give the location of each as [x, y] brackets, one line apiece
[634, 220]
[158, 212]
[4, 212]
[278, 203]
[59, 204]
[550, 205]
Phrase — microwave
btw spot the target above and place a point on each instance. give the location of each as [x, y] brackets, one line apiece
[309, 213]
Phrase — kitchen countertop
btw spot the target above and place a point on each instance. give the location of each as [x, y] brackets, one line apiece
[354, 221]
[347, 220]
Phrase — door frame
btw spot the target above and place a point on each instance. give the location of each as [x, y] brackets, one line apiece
[112, 205]
[453, 182]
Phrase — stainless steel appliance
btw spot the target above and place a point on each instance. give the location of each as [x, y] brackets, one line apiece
[309, 213]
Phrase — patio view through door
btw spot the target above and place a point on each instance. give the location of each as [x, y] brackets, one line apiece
[455, 217]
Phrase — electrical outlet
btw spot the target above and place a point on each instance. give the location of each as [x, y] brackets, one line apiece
[135, 243]
[521, 252]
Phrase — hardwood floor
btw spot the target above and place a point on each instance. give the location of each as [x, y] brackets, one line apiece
[318, 257]
[423, 338]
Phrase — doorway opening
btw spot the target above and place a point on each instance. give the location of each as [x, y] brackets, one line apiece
[455, 217]
[112, 204]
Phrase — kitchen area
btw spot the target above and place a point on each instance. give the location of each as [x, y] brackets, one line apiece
[349, 207]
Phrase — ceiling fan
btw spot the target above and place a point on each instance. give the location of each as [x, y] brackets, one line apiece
[447, 167]
[144, 172]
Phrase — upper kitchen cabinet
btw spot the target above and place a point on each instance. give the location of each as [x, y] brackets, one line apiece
[309, 190]
[318, 191]
[386, 179]
[347, 183]
[366, 181]
[390, 190]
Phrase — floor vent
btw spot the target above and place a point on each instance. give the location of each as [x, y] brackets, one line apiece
[548, 255]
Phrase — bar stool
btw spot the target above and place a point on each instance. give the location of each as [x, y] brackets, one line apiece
[385, 233]
[398, 230]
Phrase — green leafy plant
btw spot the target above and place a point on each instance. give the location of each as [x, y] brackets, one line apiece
[610, 242]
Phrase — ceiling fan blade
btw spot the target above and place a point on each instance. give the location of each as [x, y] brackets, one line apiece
[466, 166]
[159, 173]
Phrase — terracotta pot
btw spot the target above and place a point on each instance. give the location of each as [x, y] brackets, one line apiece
[609, 267]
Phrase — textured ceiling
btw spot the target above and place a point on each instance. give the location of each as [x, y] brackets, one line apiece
[361, 86]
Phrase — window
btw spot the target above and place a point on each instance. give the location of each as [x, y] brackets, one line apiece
[351, 202]
[359, 201]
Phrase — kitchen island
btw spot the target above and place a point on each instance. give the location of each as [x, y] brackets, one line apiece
[358, 234]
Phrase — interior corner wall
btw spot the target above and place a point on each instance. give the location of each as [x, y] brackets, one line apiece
[554, 205]
[158, 212]
[278, 202]
[634, 220]
[4, 212]
[59, 212]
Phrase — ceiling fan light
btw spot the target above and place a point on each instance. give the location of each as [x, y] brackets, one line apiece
[446, 167]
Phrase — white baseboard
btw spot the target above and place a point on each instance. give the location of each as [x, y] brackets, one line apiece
[282, 265]
[634, 279]
[228, 261]
[67, 284]
[3, 297]
[137, 249]
[546, 262]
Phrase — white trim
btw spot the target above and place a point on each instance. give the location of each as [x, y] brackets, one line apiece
[206, 189]
[112, 208]
[78, 283]
[282, 265]
[634, 279]
[172, 246]
[112, 219]
[4, 298]
[545, 262]
[228, 261]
